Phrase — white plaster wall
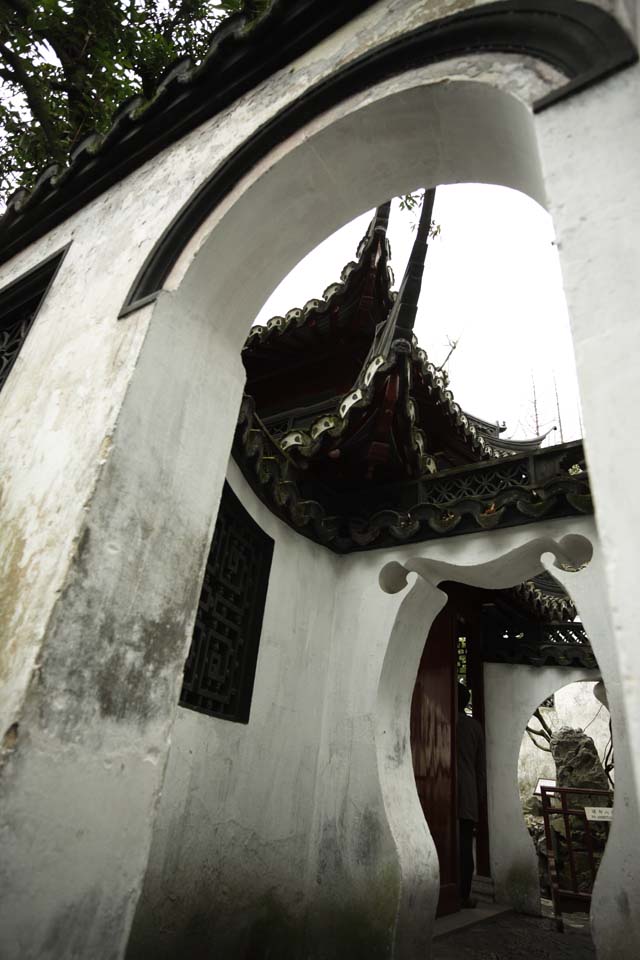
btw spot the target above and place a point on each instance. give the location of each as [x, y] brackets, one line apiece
[61, 404]
[230, 848]
[575, 707]
[512, 693]
[349, 865]
[615, 909]
[616, 898]
[590, 149]
[273, 836]
[109, 484]
[361, 870]
[80, 787]
[107, 514]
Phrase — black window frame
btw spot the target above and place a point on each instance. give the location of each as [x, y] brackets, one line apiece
[25, 296]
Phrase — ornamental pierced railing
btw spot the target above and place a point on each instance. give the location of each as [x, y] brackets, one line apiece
[443, 490]
[489, 479]
[548, 483]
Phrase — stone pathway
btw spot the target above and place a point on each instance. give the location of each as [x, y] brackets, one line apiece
[511, 936]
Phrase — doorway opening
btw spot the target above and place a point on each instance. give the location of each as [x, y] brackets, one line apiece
[452, 656]
[528, 626]
[566, 781]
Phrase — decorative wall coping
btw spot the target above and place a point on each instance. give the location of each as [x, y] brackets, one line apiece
[580, 40]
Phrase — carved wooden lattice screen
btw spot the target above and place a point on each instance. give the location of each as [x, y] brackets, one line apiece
[220, 669]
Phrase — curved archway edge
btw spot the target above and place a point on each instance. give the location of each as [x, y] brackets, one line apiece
[576, 560]
[139, 469]
[495, 566]
[582, 41]
[401, 137]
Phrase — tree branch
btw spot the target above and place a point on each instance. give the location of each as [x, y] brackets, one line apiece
[543, 723]
[35, 99]
[181, 14]
[537, 733]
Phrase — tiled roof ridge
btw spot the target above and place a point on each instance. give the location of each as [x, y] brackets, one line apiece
[587, 45]
[182, 70]
[300, 316]
[232, 38]
[308, 441]
[531, 443]
[393, 338]
[551, 606]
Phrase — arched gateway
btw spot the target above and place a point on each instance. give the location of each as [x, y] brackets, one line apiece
[117, 418]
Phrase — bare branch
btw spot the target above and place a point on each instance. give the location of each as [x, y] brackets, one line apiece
[452, 346]
[35, 98]
[538, 733]
[543, 723]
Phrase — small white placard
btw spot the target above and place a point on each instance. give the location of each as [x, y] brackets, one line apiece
[543, 783]
[599, 813]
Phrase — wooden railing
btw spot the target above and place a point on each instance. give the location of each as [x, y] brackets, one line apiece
[584, 826]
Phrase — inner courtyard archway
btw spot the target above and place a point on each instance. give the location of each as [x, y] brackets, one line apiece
[568, 744]
[145, 474]
[194, 292]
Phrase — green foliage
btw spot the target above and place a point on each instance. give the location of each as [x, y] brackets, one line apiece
[66, 65]
[412, 203]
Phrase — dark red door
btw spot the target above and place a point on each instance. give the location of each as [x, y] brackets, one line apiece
[433, 716]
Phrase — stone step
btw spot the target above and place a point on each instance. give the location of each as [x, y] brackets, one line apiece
[483, 888]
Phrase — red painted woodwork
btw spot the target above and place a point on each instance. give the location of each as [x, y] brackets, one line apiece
[433, 716]
[466, 606]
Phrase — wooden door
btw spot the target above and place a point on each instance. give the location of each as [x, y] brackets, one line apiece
[433, 719]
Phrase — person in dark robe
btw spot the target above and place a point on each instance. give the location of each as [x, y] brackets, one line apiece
[471, 779]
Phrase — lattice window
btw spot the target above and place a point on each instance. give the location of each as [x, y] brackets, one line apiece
[220, 669]
[19, 304]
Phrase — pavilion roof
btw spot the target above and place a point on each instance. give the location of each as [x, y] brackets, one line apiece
[392, 457]
[397, 418]
[522, 488]
[546, 597]
[368, 276]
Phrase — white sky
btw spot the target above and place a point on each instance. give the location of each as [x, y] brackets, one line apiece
[492, 280]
